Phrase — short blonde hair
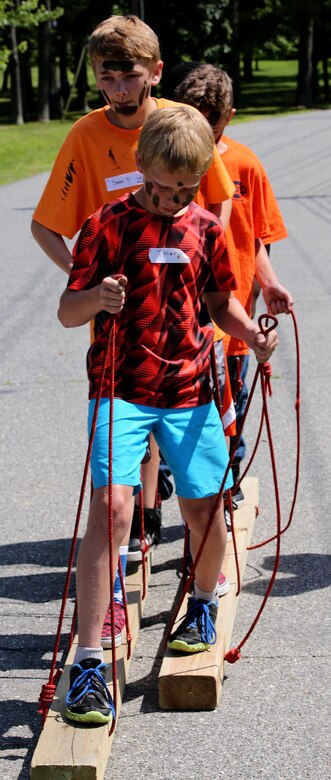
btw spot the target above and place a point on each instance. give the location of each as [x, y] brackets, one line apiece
[174, 138]
[124, 38]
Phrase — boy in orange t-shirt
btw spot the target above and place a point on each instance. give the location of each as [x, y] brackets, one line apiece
[255, 220]
[97, 164]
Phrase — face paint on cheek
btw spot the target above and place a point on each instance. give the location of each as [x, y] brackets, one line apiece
[176, 200]
[145, 92]
[105, 97]
[149, 188]
[155, 200]
[187, 200]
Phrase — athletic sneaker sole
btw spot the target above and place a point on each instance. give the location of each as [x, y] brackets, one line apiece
[88, 717]
[183, 647]
[106, 641]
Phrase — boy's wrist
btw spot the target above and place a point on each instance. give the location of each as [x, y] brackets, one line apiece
[252, 333]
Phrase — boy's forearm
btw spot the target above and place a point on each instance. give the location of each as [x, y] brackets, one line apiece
[53, 245]
[264, 271]
[77, 307]
[277, 298]
[232, 318]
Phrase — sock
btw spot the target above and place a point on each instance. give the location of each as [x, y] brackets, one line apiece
[205, 594]
[88, 652]
[118, 595]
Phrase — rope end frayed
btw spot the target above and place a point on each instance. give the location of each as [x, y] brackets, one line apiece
[232, 655]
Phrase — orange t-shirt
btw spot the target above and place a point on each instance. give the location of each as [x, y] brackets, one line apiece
[95, 165]
[255, 214]
[277, 230]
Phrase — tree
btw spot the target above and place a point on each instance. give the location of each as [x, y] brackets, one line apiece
[18, 17]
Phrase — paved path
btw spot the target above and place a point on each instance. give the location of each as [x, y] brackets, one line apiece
[273, 721]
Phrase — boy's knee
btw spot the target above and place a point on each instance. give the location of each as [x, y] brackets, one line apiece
[122, 508]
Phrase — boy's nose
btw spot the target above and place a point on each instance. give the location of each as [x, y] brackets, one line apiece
[120, 89]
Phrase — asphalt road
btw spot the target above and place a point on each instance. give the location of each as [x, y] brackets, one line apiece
[274, 716]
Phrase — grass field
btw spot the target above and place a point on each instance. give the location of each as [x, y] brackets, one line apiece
[31, 148]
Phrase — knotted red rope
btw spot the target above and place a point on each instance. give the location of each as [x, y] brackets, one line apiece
[234, 653]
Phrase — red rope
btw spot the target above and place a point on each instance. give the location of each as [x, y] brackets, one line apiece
[110, 521]
[48, 689]
[191, 576]
[234, 653]
[298, 440]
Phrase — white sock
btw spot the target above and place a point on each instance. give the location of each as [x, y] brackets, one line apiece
[88, 652]
[206, 595]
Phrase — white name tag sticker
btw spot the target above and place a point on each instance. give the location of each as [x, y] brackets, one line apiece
[124, 182]
[167, 255]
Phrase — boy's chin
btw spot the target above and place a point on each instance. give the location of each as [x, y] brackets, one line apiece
[126, 110]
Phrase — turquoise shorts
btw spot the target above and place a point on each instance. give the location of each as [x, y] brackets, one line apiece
[191, 441]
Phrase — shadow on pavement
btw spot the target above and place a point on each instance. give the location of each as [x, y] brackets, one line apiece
[19, 716]
[303, 572]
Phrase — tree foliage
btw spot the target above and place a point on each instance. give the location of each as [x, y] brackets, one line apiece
[233, 34]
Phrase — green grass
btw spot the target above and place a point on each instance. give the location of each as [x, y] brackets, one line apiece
[272, 90]
[31, 148]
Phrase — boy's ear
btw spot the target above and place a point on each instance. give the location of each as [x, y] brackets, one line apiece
[231, 114]
[157, 73]
[138, 162]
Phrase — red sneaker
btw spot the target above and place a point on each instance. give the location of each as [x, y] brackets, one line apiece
[223, 585]
[119, 625]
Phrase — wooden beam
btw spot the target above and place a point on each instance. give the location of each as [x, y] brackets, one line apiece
[72, 751]
[193, 682]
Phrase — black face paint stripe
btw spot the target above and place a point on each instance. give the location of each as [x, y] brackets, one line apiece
[149, 187]
[123, 65]
[155, 200]
[145, 92]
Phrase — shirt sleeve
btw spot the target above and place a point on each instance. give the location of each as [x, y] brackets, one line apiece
[277, 230]
[91, 253]
[216, 185]
[222, 278]
[62, 208]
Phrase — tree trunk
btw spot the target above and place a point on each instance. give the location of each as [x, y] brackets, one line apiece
[248, 65]
[326, 85]
[44, 58]
[305, 75]
[234, 62]
[16, 87]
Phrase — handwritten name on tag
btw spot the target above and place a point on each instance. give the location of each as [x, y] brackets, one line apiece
[125, 181]
[168, 255]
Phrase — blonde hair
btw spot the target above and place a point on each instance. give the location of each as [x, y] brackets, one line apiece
[174, 138]
[206, 87]
[124, 38]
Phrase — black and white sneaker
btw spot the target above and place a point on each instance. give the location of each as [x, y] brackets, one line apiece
[197, 630]
[236, 491]
[152, 532]
[228, 523]
[89, 700]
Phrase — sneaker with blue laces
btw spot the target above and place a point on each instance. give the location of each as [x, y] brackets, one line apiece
[89, 700]
[197, 630]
